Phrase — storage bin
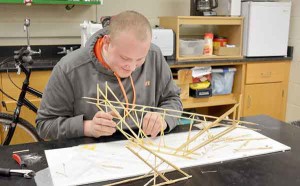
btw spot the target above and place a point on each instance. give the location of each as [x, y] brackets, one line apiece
[227, 51]
[222, 80]
[191, 47]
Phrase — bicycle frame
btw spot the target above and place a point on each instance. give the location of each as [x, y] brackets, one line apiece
[22, 101]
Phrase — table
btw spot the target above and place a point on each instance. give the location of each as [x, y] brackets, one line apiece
[281, 168]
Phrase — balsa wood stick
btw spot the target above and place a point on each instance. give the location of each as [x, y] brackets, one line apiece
[182, 117]
[114, 110]
[258, 148]
[127, 113]
[137, 141]
[129, 180]
[196, 120]
[237, 138]
[128, 136]
[243, 145]
[142, 118]
[159, 146]
[165, 160]
[212, 139]
[149, 165]
[208, 127]
[177, 111]
[164, 112]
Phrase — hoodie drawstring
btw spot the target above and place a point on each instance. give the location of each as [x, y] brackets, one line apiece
[124, 92]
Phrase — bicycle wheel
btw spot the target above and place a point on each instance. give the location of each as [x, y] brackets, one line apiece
[24, 133]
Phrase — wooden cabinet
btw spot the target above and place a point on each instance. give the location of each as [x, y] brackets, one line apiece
[263, 99]
[217, 100]
[263, 86]
[196, 26]
[266, 89]
[38, 80]
[265, 72]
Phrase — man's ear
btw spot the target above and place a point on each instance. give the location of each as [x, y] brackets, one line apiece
[106, 42]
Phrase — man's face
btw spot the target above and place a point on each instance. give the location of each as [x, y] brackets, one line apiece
[125, 53]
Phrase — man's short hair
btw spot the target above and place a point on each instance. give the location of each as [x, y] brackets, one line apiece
[130, 21]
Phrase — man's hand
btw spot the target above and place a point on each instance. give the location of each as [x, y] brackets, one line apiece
[153, 123]
[101, 125]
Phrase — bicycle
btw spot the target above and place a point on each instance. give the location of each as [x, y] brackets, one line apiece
[10, 122]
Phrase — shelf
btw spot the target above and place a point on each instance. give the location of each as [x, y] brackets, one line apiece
[184, 78]
[209, 57]
[203, 20]
[210, 101]
[229, 27]
[65, 2]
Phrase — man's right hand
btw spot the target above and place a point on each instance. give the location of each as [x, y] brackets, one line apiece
[101, 125]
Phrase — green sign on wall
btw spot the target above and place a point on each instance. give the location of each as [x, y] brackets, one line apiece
[75, 2]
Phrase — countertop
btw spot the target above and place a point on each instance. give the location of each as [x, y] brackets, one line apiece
[174, 63]
[49, 63]
[50, 56]
[274, 169]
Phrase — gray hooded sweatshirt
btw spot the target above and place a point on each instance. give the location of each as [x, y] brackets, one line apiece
[63, 108]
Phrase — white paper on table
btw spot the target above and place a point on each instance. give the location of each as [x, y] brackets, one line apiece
[112, 160]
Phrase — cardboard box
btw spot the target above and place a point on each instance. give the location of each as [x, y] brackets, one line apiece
[228, 51]
[185, 76]
[185, 90]
[201, 93]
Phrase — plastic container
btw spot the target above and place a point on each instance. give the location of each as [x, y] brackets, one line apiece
[208, 44]
[220, 42]
[191, 47]
[222, 80]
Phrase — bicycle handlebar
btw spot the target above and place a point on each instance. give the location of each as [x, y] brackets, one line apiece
[23, 56]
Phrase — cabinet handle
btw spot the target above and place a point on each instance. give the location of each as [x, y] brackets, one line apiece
[249, 102]
[266, 74]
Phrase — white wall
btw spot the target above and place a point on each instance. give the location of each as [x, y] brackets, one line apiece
[293, 103]
[152, 9]
[50, 24]
[53, 24]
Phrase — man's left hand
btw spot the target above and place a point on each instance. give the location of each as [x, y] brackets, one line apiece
[153, 123]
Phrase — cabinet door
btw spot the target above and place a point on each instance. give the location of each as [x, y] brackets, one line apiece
[264, 99]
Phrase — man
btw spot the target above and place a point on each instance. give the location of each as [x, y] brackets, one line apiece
[121, 55]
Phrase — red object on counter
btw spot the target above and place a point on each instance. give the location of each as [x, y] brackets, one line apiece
[19, 160]
[206, 77]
